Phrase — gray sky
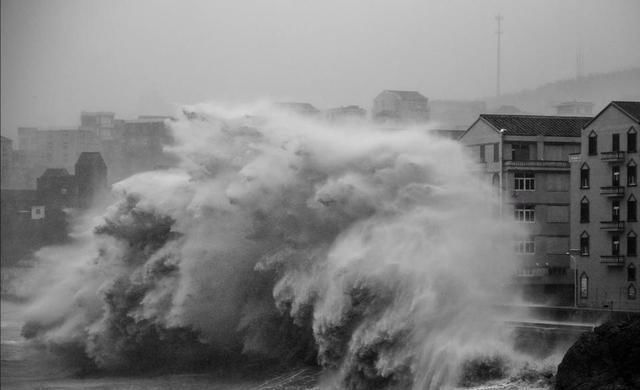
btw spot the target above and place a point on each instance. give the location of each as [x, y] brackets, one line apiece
[142, 56]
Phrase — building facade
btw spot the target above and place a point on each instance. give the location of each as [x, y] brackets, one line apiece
[604, 225]
[400, 106]
[526, 157]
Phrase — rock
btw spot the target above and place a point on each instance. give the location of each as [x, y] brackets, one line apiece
[607, 359]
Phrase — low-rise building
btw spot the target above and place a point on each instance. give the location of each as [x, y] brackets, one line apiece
[574, 108]
[345, 114]
[604, 209]
[526, 157]
[401, 107]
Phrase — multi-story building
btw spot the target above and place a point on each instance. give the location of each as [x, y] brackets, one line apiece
[400, 106]
[604, 209]
[101, 123]
[527, 157]
[6, 161]
[55, 148]
[144, 141]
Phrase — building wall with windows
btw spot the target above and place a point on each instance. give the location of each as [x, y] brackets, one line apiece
[604, 210]
[530, 161]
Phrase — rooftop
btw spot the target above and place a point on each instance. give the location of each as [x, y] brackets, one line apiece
[407, 95]
[630, 108]
[55, 172]
[535, 125]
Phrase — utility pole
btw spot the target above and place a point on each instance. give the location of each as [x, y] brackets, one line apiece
[499, 33]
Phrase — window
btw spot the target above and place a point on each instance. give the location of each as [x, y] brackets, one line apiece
[631, 273]
[520, 152]
[524, 181]
[593, 144]
[496, 153]
[631, 244]
[584, 210]
[482, 156]
[632, 140]
[584, 286]
[584, 244]
[615, 245]
[631, 292]
[615, 142]
[615, 210]
[584, 176]
[526, 246]
[525, 213]
[631, 173]
[615, 176]
[495, 180]
[632, 213]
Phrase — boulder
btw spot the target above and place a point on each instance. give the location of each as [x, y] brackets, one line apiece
[607, 358]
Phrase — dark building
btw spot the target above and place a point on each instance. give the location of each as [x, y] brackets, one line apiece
[58, 187]
[91, 178]
[6, 157]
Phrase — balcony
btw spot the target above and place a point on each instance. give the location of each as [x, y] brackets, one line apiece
[543, 165]
[612, 226]
[617, 156]
[612, 191]
[612, 260]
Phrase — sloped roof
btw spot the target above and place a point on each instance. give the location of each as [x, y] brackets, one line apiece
[55, 172]
[407, 95]
[535, 125]
[630, 108]
[5, 139]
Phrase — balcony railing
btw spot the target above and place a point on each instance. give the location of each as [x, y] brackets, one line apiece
[536, 164]
[612, 191]
[612, 156]
[612, 226]
[612, 260]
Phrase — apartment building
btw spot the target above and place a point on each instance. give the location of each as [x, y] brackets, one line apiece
[604, 211]
[526, 157]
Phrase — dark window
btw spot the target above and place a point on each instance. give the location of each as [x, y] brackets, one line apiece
[496, 153]
[615, 142]
[631, 244]
[593, 144]
[584, 286]
[615, 210]
[632, 209]
[615, 245]
[615, 175]
[584, 210]
[631, 273]
[525, 213]
[631, 173]
[520, 152]
[584, 176]
[632, 140]
[524, 181]
[584, 244]
[482, 156]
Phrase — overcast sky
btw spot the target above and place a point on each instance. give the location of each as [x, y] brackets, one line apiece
[144, 56]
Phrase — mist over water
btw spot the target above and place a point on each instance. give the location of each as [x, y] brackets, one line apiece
[376, 254]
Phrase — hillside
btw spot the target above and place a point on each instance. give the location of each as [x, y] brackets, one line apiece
[597, 88]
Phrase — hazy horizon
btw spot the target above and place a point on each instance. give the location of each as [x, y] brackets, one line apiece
[60, 57]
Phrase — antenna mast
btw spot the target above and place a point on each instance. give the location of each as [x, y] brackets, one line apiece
[499, 33]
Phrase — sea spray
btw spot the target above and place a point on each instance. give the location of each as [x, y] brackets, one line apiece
[377, 254]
